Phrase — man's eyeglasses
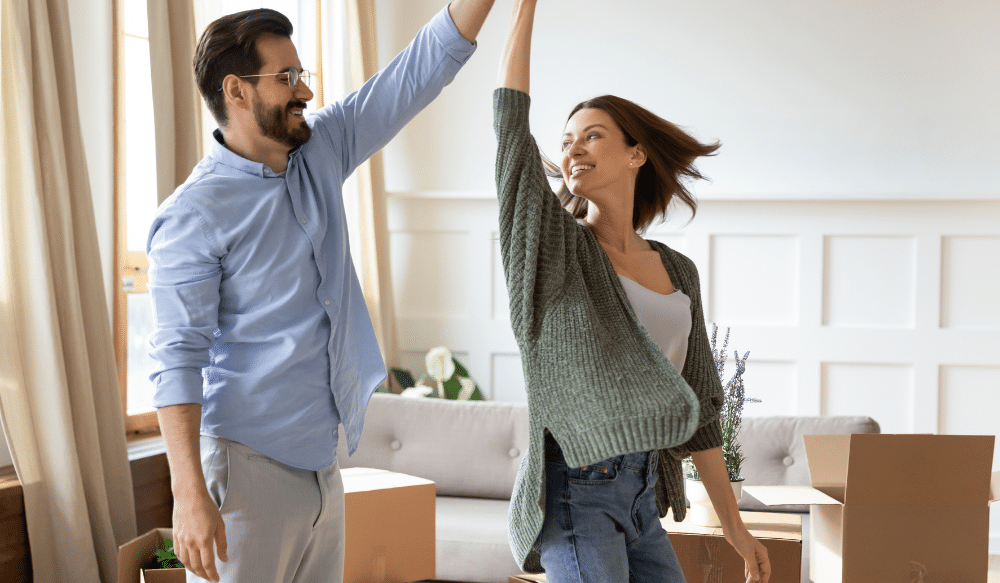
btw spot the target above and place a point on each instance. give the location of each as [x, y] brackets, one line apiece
[291, 76]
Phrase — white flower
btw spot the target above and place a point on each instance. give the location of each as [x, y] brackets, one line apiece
[468, 386]
[416, 392]
[440, 366]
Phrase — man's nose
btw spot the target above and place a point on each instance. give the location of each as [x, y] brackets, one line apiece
[303, 91]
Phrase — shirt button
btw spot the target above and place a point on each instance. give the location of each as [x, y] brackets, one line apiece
[327, 302]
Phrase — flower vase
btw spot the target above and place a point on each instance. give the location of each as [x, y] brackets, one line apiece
[702, 512]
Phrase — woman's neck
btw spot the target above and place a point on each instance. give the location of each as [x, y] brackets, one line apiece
[613, 228]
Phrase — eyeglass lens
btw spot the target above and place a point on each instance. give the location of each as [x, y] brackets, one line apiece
[295, 76]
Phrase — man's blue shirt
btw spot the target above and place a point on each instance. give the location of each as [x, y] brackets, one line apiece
[259, 314]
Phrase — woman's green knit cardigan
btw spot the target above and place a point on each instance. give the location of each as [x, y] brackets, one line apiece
[595, 379]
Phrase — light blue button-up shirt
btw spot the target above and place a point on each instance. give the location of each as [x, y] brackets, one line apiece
[258, 311]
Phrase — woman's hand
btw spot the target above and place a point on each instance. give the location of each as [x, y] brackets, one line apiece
[711, 467]
[516, 60]
[758, 565]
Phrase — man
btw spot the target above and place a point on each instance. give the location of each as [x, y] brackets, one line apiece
[263, 342]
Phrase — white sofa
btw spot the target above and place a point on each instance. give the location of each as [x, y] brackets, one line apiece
[471, 450]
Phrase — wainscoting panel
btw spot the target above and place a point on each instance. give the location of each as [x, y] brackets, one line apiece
[508, 378]
[969, 401]
[971, 282]
[773, 382]
[429, 283]
[869, 282]
[754, 280]
[881, 391]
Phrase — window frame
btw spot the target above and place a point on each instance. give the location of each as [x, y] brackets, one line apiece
[133, 264]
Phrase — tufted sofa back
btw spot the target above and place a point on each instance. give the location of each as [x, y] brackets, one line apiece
[466, 448]
[776, 455]
[474, 448]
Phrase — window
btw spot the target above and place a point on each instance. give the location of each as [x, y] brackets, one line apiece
[135, 205]
[135, 179]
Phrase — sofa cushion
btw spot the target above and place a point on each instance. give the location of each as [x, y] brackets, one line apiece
[472, 540]
[468, 448]
[776, 455]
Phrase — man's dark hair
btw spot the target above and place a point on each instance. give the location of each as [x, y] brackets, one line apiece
[229, 47]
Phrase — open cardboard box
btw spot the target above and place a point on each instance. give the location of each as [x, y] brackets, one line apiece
[136, 562]
[706, 556]
[390, 526]
[895, 508]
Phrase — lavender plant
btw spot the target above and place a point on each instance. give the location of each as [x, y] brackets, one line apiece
[731, 415]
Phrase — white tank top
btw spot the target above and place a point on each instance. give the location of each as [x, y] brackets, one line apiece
[667, 318]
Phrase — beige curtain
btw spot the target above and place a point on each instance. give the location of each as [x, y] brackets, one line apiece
[176, 103]
[58, 387]
[374, 228]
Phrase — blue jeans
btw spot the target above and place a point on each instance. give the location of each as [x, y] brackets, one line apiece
[601, 523]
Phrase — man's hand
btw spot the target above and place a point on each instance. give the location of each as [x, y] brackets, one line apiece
[198, 532]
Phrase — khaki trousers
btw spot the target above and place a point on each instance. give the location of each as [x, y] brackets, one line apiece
[283, 524]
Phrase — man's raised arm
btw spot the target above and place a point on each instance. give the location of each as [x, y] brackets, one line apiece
[469, 16]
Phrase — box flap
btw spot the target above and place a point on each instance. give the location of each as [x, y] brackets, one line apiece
[995, 487]
[942, 470]
[827, 456]
[773, 495]
[367, 479]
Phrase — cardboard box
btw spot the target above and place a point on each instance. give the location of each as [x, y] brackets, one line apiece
[136, 562]
[888, 508]
[706, 556]
[390, 526]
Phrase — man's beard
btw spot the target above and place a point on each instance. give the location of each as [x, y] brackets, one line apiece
[273, 123]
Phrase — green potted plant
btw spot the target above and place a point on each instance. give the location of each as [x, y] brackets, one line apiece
[170, 569]
[731, 418]
[450, 379]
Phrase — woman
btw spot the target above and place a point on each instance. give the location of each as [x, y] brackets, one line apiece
[605, 320]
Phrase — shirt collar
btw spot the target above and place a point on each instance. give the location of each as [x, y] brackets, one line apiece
[229, 158]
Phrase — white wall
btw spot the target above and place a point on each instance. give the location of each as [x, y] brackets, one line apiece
[851, 232]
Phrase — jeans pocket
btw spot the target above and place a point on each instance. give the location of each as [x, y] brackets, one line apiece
[603, 472]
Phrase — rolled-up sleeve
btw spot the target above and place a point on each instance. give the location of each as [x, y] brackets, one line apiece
[366, 120]
[185, 272]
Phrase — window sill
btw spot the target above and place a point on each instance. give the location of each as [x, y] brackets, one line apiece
[145, 446]
[8, 478]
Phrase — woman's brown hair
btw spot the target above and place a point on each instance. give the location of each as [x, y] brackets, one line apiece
[670, 156]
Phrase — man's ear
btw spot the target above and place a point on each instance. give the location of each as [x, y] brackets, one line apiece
[235, 91]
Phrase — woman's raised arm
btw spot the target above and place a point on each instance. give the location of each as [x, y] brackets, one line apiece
[516, 60]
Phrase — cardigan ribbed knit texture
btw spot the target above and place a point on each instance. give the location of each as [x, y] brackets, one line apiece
[595, 379]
